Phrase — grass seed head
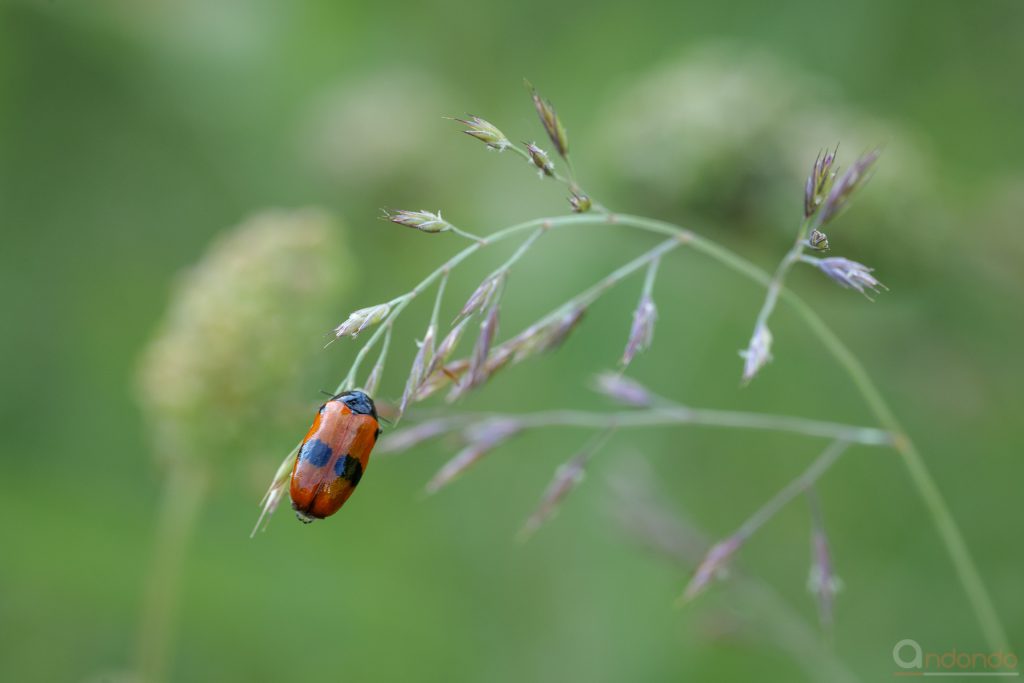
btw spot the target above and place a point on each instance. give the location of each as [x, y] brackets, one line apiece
[424, 221]
[552, 124]
[485, 132]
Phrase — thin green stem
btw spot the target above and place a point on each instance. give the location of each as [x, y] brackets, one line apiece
[793, 489]
[465, 233]
[779, 278]
[920, 476]
[373, 381]
[401, 302]
[436, 312]
[649, 277]
[520, 251]
[182, 500]
[570, 182]
[592, 293]
[681, 415]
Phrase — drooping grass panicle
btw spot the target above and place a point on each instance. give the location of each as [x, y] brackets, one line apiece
[715, 562]
[567, 477]
[547, 334]
[713, 566]
[489, 292]
[652, 521]
[641, 332]
[822, 581]
[825, 197]
[409, 437]
[544, 335]
[481, 439]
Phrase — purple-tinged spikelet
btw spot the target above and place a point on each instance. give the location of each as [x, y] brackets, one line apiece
[819, 181]
[442, 377]
[560, 328]
[482, 438]
[822, 581]
[483, 295]
[641, 333]
[541, 337]
[406, 438]
[373, 381]
[446, 348]
[423, 360]
[623, 389]
[478, 371]
[844, 188]
[713, 566]
[567, 477]
[849, 274]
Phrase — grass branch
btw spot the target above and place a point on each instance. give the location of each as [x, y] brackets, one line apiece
[920, 476]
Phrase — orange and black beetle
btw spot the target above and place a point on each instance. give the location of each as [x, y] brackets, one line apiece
[334, 455]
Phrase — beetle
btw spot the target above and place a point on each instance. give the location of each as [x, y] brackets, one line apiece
[334, 455]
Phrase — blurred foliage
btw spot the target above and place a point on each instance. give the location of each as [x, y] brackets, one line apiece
[132, 134]
[227, 364]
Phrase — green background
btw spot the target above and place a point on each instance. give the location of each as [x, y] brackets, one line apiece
[132, 134]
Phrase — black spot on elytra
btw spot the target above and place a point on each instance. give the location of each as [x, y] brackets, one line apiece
[349, 468]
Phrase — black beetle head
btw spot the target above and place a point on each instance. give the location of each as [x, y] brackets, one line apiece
[358, 402]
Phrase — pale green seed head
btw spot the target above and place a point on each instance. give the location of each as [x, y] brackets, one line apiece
[243, 329]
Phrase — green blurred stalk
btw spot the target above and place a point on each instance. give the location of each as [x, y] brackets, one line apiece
[183, 496]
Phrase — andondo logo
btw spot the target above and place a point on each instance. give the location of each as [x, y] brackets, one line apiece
[913, 660]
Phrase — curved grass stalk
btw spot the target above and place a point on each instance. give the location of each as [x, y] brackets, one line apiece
[920, 476]
[946, 526]
[682, 415]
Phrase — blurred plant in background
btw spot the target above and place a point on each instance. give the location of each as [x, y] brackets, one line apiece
[233, 350]
[395, 139]
[721, 134]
